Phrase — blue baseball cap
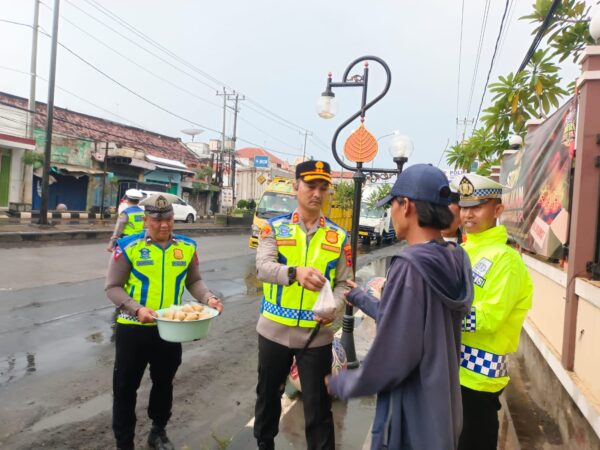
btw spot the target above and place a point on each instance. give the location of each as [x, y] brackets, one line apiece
[421, 182]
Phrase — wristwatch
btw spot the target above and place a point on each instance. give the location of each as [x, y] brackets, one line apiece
[292, 274]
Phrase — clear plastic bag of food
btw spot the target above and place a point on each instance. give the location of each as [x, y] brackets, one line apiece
[325, 306]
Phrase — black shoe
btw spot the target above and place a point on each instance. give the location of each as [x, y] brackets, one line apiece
[266, 445]
[158, 440]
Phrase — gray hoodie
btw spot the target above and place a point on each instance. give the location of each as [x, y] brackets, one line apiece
[413, 362]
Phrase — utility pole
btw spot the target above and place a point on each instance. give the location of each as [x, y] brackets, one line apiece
[306, 134]
[104, 182]
[464, 122]
[233, 140]
[50, 116]
[33, 69]
[226, 96]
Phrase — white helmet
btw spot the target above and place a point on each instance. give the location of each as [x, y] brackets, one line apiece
[133, 194]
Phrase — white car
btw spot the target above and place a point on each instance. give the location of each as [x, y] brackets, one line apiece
[183, 211]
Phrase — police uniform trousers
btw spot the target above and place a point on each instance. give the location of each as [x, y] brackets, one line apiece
[136, 347]
[480, 419]
[274, 362]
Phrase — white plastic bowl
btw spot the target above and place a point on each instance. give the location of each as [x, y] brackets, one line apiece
[176, 331]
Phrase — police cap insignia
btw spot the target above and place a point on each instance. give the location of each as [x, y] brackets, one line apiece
[465, 187]
[313, 170]
[158, 206]
[476, 189]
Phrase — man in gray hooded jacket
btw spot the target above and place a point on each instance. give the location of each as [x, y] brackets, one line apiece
[413, 362]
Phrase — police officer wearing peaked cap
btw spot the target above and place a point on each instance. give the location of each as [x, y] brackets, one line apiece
[503, 292]
[148, 271]
[297, 253]
[131, 219]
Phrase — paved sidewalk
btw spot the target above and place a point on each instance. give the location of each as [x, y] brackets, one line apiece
[15, 232]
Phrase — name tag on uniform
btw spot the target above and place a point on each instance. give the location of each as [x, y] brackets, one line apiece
[145, 262]
[139, 218]
[178, 263]
[331, 248]
[290, 242]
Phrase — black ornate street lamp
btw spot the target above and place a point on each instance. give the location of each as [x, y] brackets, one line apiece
[327, 109]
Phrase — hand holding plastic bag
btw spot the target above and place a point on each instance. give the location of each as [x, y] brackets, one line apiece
[325, 306]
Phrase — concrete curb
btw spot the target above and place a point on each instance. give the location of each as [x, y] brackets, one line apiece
[67, 235]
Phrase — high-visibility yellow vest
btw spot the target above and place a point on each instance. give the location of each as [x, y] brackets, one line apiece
[135, 220]
[292, 305]
[503, 292]
[157, 276]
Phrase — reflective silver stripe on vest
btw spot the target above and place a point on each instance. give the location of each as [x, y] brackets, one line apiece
[484, 363]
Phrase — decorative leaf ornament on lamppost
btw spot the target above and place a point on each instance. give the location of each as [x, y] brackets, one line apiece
[360, 147]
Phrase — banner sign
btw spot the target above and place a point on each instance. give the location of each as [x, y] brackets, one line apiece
[261, 161]
[536, 183]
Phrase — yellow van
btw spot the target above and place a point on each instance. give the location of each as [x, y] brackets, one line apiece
[280, 198]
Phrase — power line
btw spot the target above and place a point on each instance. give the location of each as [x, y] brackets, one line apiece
[462, 15]
[540, 34]
[159, 77]
[212, 87]
[492, 62]
[153, 73]
[479, 49]
[155, 104]
[115, 17]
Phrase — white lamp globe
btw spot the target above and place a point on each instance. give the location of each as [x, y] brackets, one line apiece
[401, 147]
[327, 106]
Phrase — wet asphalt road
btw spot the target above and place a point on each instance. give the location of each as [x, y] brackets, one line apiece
[56, 350]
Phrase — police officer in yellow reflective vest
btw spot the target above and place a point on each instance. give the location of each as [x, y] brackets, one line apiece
[503, 291]
[296, 253]
[149, 271]
[131, 219]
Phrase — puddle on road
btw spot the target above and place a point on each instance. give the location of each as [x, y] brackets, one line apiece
[13, 367]
[78, 413]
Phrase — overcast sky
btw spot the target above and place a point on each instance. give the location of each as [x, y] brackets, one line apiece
[275, 52]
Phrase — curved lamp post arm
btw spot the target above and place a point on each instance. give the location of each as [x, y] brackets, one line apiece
[364, 105]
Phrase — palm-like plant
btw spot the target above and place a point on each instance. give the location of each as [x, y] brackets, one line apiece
[544, 82]
[568, 32]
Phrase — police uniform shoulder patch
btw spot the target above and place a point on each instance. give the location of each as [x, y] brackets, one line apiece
[321, 221]
[348, 255]
[117, 252]
[295, 217]
[265, 231]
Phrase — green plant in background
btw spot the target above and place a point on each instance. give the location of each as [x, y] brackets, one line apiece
[531, 93]
[251, 205]
[33, 158]
[484, 147]
[343, 196]
[242, 204]
[381, 191]
[204, 172]
[568, 32]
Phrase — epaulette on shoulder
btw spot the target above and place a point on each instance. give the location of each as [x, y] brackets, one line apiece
[129, 240]
[186, 240]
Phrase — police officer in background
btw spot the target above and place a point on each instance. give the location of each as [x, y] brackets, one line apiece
[147, 272]
[503, 291]
[296, 253]
[131, 219]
